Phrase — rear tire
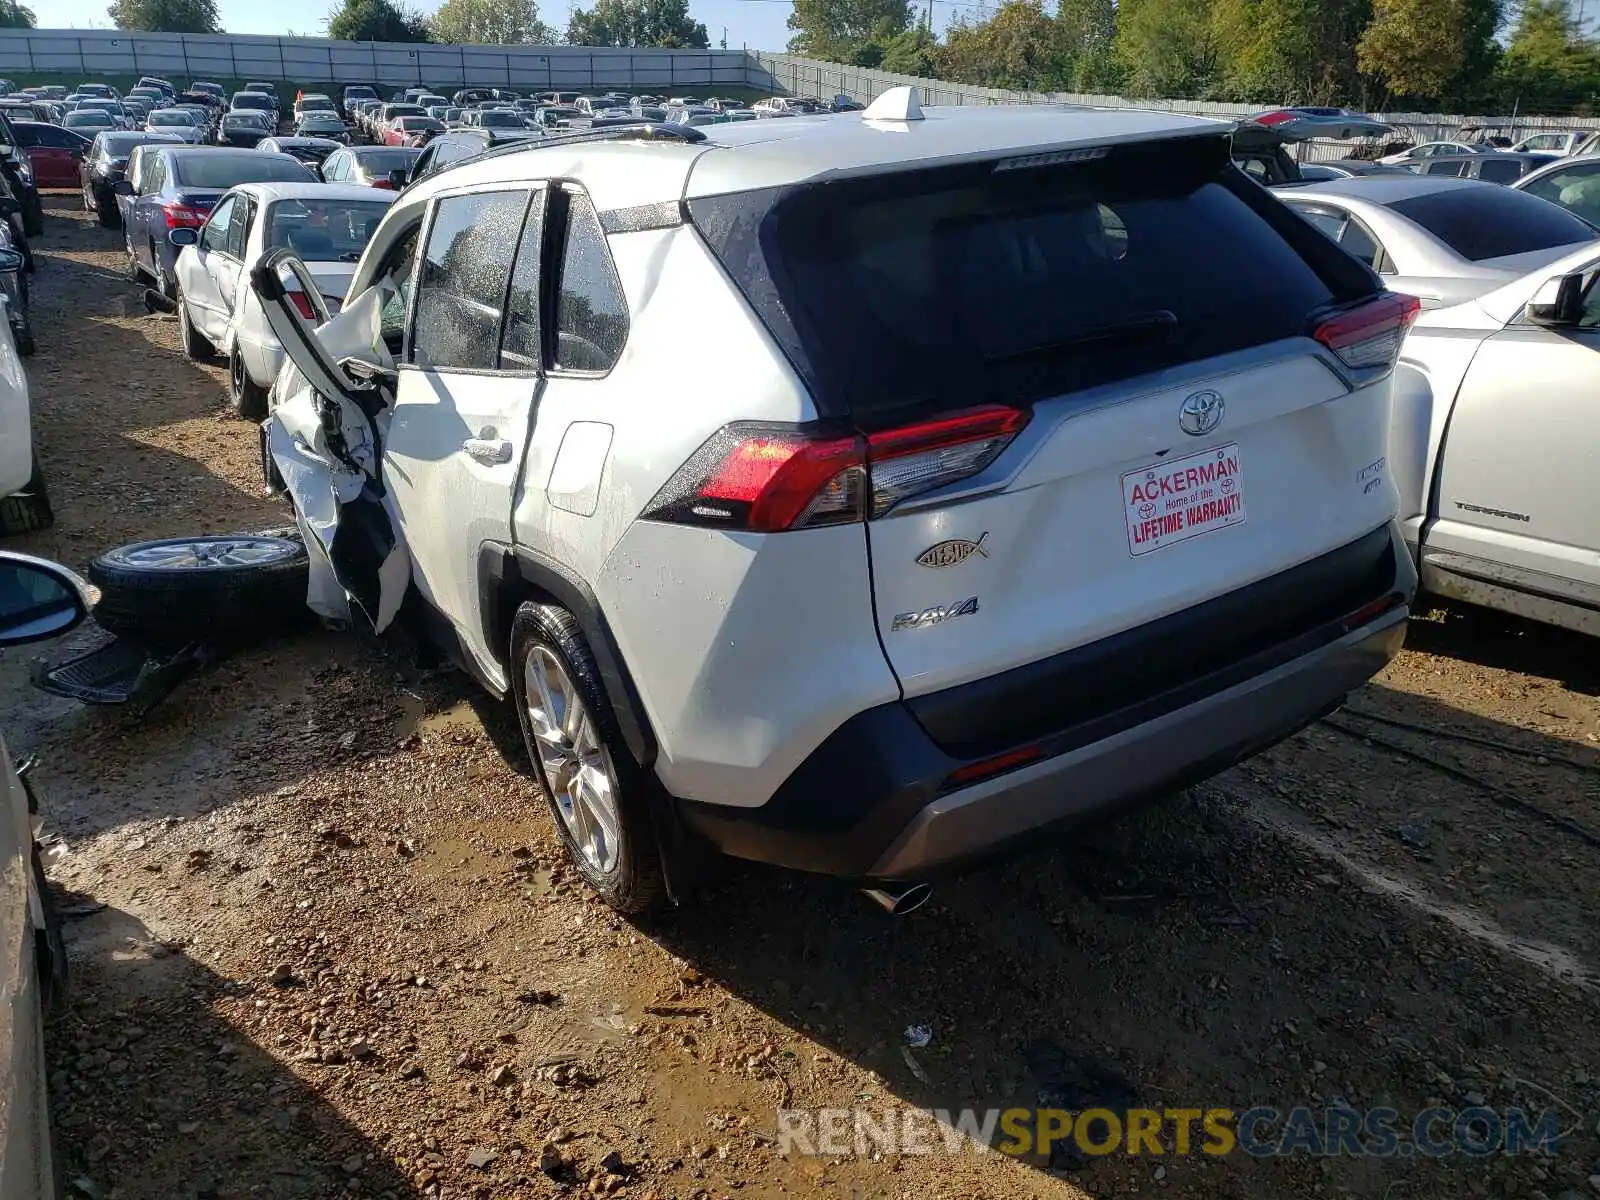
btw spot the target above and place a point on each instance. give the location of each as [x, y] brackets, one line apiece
[601, 804]
[249, 397]
[109, 217]
[29, 509]
[196, 348]
[174, 591]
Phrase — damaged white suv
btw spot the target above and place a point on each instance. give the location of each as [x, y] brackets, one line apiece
[858, 493]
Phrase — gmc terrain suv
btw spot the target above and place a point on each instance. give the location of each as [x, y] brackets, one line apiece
[1032, 463]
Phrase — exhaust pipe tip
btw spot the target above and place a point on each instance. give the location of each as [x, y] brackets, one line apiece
[899, 899]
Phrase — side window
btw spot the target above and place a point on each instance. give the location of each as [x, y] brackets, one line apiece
[399, 268]
[150, 177]
[466, 266]
[1329, 220]
[1591, 304]
[591, 314]
[1499, 170]
[519, 343]
[239, 228]
[333, 169]
[1358, 240]
[215, 235]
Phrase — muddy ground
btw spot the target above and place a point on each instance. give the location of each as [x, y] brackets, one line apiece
[323, 942]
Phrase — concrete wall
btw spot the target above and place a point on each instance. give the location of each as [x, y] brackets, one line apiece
[182, 57]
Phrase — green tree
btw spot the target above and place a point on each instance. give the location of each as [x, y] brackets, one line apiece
[166, 16]
[662, 23]
[1432, 50]
[1167, 48]
[16, 16]
[1020, 47]
[914, 52]
[490, 22]
[1290, 51]
[376, 21]
[1089, 32]
[1549, 66]
[847, 31]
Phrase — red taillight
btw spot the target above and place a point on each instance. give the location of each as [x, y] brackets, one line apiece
[918, 458]
[182, 215]
[302, 305]
[384, 184]
[987, 768]
[1369, 335]
[1276, 117]
[767, 480]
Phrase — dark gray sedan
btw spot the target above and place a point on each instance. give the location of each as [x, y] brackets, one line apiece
[177, 187]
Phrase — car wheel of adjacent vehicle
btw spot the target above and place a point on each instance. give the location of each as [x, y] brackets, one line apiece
[249, 397]
[195, 346]
[50, 948]
[29, 509]
[110, 218]
[598, 796]
[174, 591]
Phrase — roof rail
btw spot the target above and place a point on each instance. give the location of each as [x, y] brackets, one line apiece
[646, 131]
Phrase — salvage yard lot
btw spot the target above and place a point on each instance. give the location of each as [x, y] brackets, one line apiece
[325, 942]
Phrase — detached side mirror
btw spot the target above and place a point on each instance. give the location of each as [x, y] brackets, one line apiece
[122, 187]
[38, 599]
[10, 262]
[398, 178]
[1558, 303]
[183, 235]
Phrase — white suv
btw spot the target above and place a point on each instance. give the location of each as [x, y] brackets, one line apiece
[1018, 463]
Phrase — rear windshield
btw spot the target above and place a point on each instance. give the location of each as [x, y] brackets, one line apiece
[383, 161]
[323, 230]
[1492, 222]
[253, 100]
[171, 118]
[495, 119]
[964, 285]
[214, 169]
[120, 145]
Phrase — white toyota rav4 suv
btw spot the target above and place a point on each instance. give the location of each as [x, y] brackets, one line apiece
[857, 493]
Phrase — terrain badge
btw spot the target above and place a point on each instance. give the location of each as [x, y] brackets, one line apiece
[952, 553]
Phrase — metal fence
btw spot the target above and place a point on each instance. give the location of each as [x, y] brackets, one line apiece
[92, 52]
[809, 77]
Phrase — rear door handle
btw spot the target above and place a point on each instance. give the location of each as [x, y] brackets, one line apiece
[488, 450]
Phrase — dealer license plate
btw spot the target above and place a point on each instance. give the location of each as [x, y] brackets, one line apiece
[1174, 501]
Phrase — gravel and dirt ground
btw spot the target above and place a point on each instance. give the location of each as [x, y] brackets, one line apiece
[323, 942]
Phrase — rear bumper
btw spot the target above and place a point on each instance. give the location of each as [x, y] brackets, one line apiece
[877, 799]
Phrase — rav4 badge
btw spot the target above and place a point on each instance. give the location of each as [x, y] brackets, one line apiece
[952, 553]
[935, 615]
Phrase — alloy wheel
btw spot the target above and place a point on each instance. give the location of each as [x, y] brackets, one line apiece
[577, 767]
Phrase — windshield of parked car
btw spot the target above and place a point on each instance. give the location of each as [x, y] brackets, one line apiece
[168, 116]
[242, 119]
[417, 124]
[254, 100]
[321, 230]
[1492, 222]
[88, 119]
[315, 104]
[218, 169]
[500, 118]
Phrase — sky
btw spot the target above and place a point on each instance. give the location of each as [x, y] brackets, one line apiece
[758, 24]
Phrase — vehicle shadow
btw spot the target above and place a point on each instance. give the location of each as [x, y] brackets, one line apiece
[1507, 642]
[1292, 933]
[161, 1091]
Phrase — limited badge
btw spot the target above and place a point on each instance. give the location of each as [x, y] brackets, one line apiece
[952, 553]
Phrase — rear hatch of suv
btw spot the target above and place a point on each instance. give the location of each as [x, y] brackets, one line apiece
[1087, 391]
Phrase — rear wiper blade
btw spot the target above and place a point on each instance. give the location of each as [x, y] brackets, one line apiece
[1140, 327]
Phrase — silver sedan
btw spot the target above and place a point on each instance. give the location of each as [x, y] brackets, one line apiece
[1442, 240]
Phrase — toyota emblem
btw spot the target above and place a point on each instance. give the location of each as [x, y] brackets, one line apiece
[1201, 413]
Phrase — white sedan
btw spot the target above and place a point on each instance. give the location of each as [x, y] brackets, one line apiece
[326, 224]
